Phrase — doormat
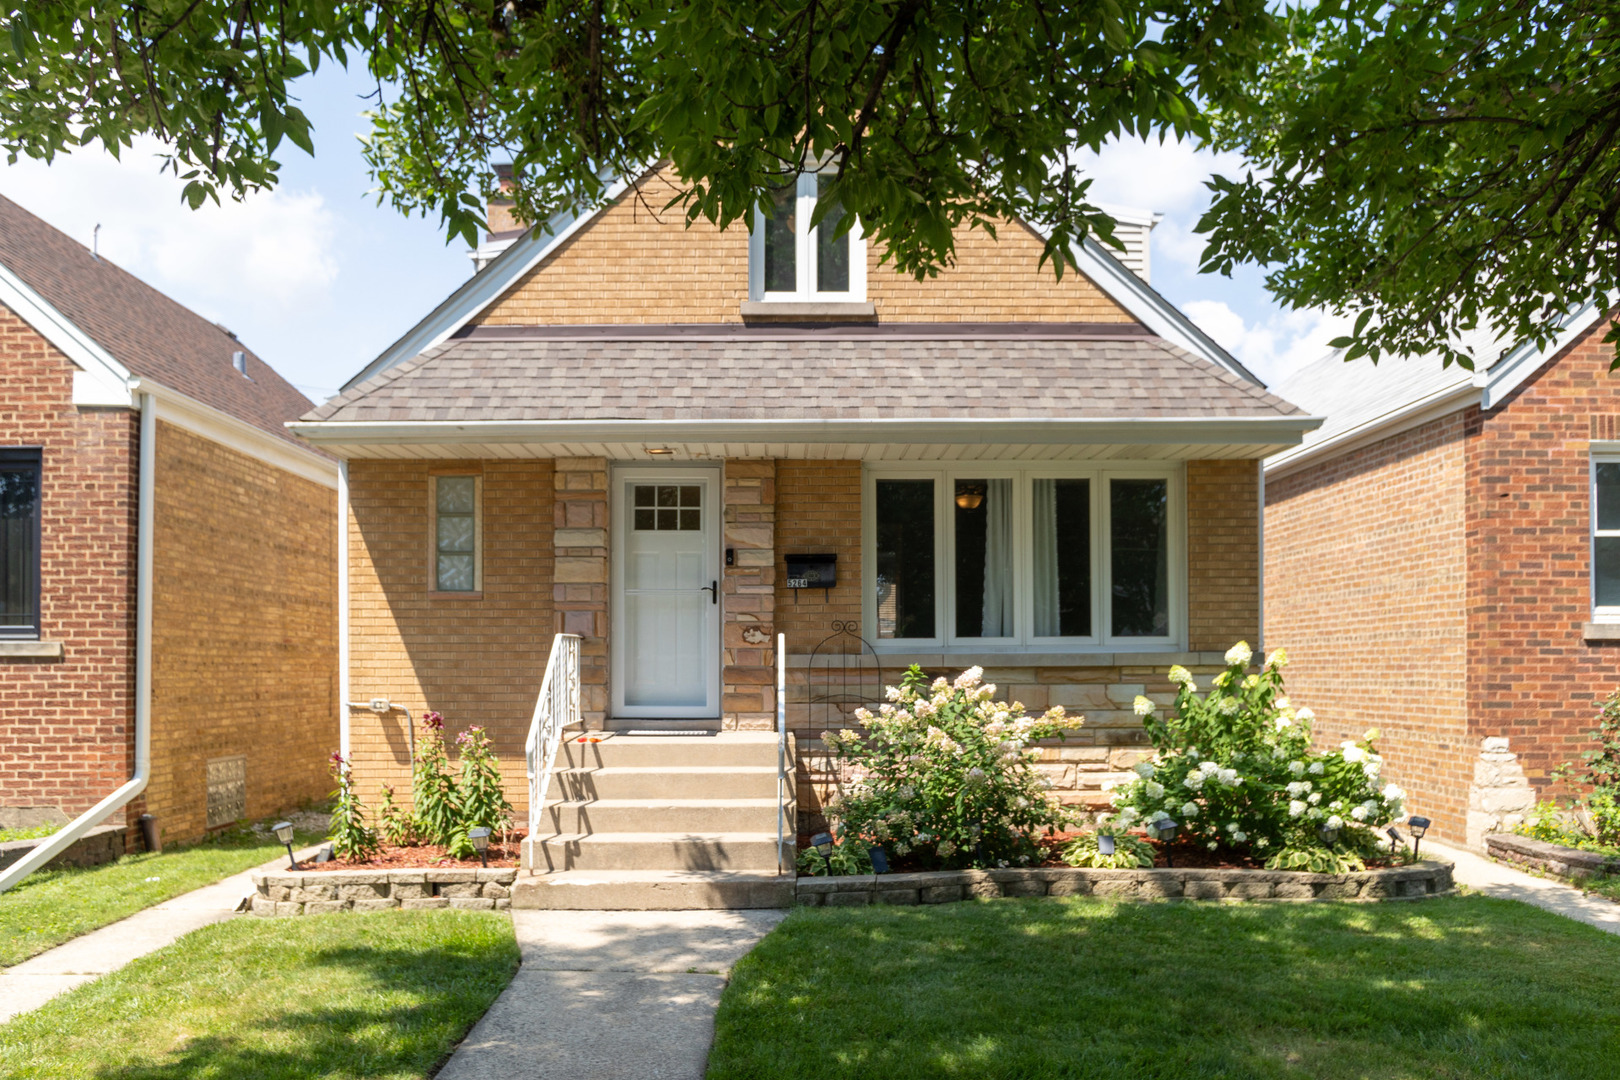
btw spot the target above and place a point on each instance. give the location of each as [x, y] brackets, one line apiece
[667, 731]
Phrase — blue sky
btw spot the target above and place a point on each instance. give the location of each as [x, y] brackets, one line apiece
[318, 279]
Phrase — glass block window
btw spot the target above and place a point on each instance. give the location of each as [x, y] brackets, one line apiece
[19, 543]
[667, 508]
[455, 533]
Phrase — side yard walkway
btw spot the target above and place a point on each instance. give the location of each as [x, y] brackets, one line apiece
[1490, 878]
[32, 983]
[610, 994]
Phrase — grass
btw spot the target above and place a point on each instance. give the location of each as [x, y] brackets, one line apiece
[52, 906]
[384, 994]
[33, 832]
[1466, 987]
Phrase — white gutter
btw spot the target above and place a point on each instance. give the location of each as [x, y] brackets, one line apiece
[59, 841]
[1431, 406]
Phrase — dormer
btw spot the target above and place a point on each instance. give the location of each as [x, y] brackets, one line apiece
[792, 264]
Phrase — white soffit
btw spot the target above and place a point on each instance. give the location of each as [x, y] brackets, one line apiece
[100, 380]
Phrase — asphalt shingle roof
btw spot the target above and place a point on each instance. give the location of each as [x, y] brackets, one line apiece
[640, 377]
[143, 329]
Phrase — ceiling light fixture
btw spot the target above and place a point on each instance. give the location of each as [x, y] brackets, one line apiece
[660, 451]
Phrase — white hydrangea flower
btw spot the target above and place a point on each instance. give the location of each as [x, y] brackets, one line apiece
[1299, 787]
[1316, 769]
[1154, 789]
[1228, 706]
[1144, 769]
[1230, 778]
[1240, 836]
[969, 678]
[1189, 810]
[1305, 715]
[1182, 677]
[1239, 654]
[1360, 812]
[1371, 770]
[1281, 701]
[1314, 797]
[1231, 826]
[1335, 822]
[1193, 781]
[1211, 845]
[1353, 753]
[1143, 706]
[1297, 768]
[1295, 808]
[1283, 723]
[1393, 794]
[1279, 659]
[1207, 767]
[1262, 842]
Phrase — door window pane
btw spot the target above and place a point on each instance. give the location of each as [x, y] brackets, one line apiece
[1139, 557]
[455, 539]
[1061, 520]
[1608, 495]
[19, 547]
[781, 242]
[666, 507]
[983, 518]
[832, 251]
[905, 558]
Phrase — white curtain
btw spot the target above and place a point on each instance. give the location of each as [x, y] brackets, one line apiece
[998, 547]
[1044, 519]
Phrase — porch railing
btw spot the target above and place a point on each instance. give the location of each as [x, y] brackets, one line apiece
[556, 710]
[781, 753]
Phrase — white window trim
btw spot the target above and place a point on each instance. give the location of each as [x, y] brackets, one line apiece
[1024, 640]
[1599, 614]
[805, 253]
[433, 533]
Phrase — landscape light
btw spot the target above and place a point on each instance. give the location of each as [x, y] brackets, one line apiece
[1329, 835]
[880, 860]
[822, 842]
[1417, 826]
[1105, 844]
[1166, 828]
[1394, 835]
[284, 833]
[480, 843]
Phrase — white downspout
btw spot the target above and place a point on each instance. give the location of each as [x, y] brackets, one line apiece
[57, 842]
[343, 608]
[1260, 632]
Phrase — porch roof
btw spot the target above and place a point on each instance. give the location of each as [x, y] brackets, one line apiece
[818, 391]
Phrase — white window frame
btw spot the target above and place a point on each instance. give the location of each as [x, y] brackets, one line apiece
[1024, 639]
[477, 590]
[805, 255]
[1609, 614]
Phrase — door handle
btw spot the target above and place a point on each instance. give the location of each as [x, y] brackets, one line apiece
[713, 589]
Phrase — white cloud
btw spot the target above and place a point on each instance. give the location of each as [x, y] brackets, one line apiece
[1150, 175]
[254, 259]
[1273, 346]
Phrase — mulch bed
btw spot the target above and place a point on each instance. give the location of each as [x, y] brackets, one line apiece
[428, 857]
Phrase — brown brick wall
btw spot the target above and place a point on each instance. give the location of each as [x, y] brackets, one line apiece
[1365, 588]
[477, 660]
[1531, 674]
[65, 724]
[818, 509]
[244, 630]
[637, 263]
[1223, 554]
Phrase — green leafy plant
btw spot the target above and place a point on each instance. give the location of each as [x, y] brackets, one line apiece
[1130, 852]
[435, 802]
[352, 839]
[1317, 859]
[483, 800]
[942, 773]
[394, 823]
[1235, 769]
[849, 855]
[1599, 772]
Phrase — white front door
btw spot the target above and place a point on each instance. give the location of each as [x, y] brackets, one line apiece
[666, 593]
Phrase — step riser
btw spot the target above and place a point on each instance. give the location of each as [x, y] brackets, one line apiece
[538, 894]
[550, 856]
[584, 785]
[590, 818]
[664, 753]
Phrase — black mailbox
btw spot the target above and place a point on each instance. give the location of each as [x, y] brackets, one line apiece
[812, 571]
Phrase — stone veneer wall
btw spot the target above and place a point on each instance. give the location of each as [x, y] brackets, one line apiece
[321, 891]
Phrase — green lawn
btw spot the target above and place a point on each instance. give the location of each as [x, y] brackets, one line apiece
[1453, 988]
[384, 994]
[52, 906]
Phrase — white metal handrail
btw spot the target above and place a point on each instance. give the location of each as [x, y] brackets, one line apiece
[556, 710]
[781, 750]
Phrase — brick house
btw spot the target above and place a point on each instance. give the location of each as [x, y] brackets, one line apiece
[1434, 566]
[167, 559]
[644, 433]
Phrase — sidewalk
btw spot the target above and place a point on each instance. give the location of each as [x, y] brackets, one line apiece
[33, 982]
[605, 995]
[1489, 878]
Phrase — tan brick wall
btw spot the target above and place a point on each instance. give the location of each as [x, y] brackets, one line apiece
[65, 724]
[818, 509]
[477, 660]
[580, 516]
[244, 630]
[1223, 554]
[1365, 587]
[748, 631]
[637, 263]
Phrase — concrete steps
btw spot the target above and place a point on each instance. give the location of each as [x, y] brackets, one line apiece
[662, 822]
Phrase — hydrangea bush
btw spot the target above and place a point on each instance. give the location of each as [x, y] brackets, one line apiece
[1235, 769]
[942, 775]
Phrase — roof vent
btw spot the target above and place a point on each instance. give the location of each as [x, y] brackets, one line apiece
[239, 361]
[227, 331]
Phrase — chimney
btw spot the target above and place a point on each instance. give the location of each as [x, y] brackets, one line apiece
[1132, 228]
[499, 212]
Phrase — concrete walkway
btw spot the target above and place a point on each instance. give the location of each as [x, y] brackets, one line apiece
[1491, 878]
[604, 995]
[33, 982]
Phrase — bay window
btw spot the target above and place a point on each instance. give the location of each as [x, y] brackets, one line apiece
[1000, 558]
[792, 261]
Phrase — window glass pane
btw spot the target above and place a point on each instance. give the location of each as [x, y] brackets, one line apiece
[1606, 571]
[1608, 495]
[455, 494]
[19, 553]
[984, 582]
[905, 558]
[1139, 557]
[781, 242]
[645, 520]
[643, 495]
[456, 573]
[832, 251]
[455, 532]
[1061, 519]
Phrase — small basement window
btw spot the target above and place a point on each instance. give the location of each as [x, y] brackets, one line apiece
[457, 512]
[790, 261]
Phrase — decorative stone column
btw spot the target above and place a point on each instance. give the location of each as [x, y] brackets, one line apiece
[748, 632]
[580, 573]
[1500, 796]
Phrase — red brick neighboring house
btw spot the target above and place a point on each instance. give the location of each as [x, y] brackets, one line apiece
[1443, 558]
[109, 388]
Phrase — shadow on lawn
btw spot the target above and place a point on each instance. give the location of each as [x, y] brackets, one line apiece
[451, 987]
[1449, 987]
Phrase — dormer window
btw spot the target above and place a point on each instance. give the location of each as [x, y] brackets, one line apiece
[791, 262]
